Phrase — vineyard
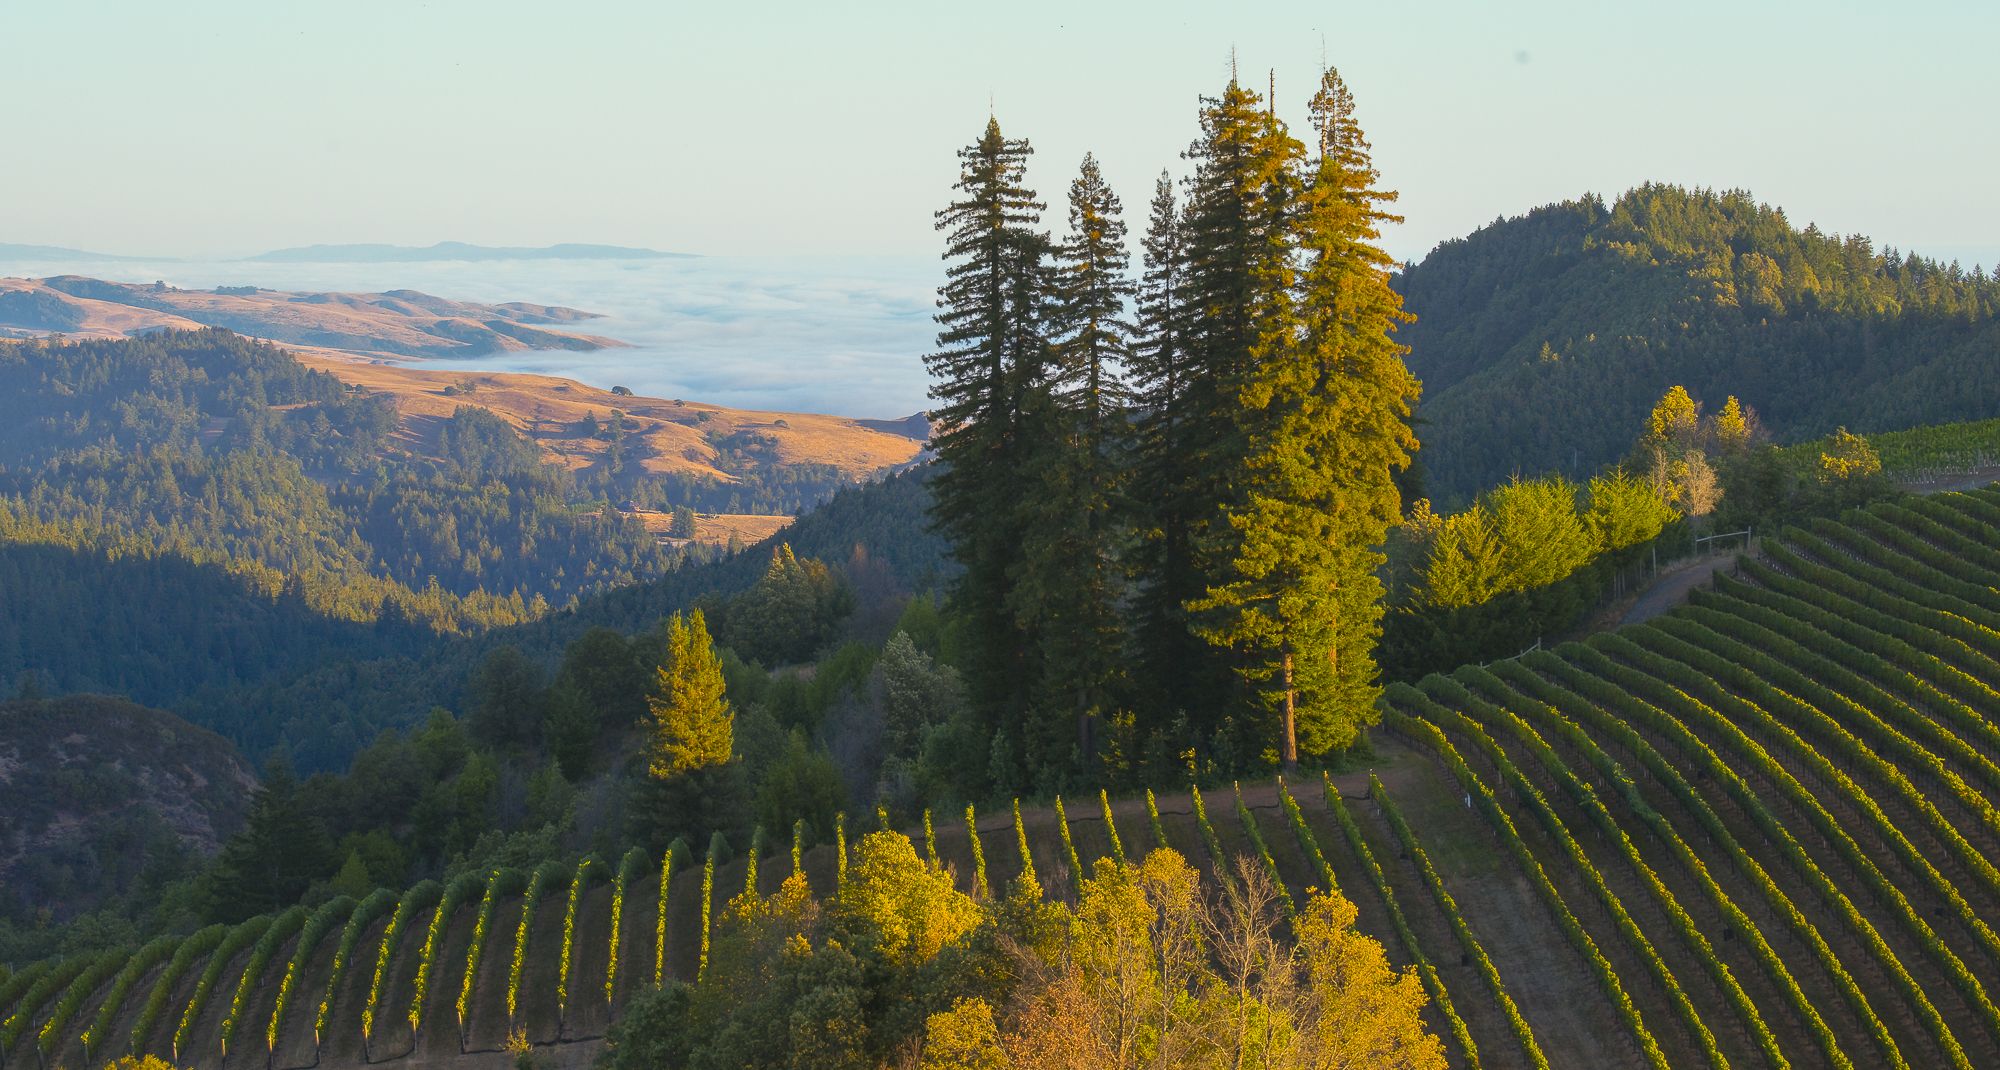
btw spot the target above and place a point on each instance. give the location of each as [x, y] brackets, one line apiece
[1758, 831]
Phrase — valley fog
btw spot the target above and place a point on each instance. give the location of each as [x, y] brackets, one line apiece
[840, 335]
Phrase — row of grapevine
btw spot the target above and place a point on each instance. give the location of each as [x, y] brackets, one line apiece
[629, 870]
[1469, 944]
[1556, 698]
[331, 913]
[1908, 558]
[675, 850]
[101, 969]
[586, 868]
[1676, 635]
[1111, 827]
[750, 860]
[15, 984]
[545, 877]
[1069, 845]
[282, 929]
[1263, 853]
[1216, 855]
[1621, 917]
[1780, 656]
[716, 847]
[1592, 664]
[378, 903]
[43, 989]
[930, 839]
[499, 884]
[420, 897]
[1920, 674]
[135, 969]
[1432, 737]
[1830, 589]
[1501, 713]
[238, 939]
[1153, 819]
[1646, 648]
[186, 955]
[980, 889]
[455, 895]
[1027, 878]
[1426, 971]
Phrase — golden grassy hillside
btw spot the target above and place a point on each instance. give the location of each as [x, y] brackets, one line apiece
[673, 436]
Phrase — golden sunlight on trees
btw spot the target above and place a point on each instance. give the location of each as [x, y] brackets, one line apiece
[692, 724]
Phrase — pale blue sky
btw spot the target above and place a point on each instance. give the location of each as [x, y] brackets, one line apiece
[230, 126]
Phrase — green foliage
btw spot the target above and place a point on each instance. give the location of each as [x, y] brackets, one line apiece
[190, 950]
[1550, 368]
[585, 870]
[135, 967]
[630, 868]
[692, 723]
[546, 877]
[676, 849]
[283, 928]
[802, 786]
[311, 936]
[455, 895]
[980, 887]
[789, 614]
[1256, 837]
[44, 987]
[49, 1037]
[717, 847]
[1111, 827]
[417, 899]
[238, 938]
[1425, 968]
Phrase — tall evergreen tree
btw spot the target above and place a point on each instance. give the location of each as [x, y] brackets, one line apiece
[1068, 592]
[281, 849]
[1239, 279]
[989, 376]
[1324, 409]
[692, 726]
[1160, 368]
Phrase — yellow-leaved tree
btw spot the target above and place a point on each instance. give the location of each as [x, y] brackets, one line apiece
[692, 726]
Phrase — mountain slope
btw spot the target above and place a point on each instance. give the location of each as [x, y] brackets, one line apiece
[102, 786]
[1543, 340]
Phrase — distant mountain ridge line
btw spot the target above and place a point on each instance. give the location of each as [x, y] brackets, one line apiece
[452, 250]
[363, 252]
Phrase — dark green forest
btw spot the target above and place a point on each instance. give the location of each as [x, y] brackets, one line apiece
[1543, 339]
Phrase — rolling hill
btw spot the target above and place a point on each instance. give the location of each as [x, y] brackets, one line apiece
[98, 785]
[1757, 831]
[1544, 339]
[400, 323]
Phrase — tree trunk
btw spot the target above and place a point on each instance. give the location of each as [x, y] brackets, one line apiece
[1289, 746]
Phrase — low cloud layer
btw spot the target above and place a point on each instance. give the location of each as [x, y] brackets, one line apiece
[803, 334]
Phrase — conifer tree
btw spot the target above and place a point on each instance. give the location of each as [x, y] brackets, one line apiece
[1069, 589]
[692, 725]
[1239, 278]
[989, 377]
[1160, 369]
[1323, 416]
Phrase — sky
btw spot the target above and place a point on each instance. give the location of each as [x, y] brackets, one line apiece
[223, 127]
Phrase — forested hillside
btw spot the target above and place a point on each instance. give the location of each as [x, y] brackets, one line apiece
[1543, 338]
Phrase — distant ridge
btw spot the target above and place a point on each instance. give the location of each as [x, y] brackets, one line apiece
[453, 250]
[10, 251]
